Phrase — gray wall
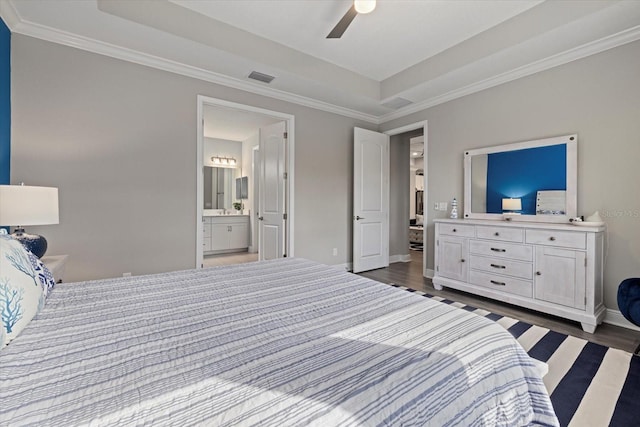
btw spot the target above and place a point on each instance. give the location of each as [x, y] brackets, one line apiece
[119, 140]
[599, 99]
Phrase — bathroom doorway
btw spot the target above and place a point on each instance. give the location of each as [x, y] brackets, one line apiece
[229, 141]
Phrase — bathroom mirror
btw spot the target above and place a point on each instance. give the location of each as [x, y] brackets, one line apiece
[525, 181]
[219, 186]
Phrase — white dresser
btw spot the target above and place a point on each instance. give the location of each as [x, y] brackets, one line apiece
[552, 268]
[225, 233]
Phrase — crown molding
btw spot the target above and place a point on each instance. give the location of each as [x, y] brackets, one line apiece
[53, 35]
[588, 49]
[9, 14]
[18, 25]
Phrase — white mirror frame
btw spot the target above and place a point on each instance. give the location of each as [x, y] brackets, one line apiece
[571, 175]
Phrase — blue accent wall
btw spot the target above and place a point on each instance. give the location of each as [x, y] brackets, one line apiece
[5, 103]
[522, 173]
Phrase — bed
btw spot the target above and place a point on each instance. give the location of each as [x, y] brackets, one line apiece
[278, 343]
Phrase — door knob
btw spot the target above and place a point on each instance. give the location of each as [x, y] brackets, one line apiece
[358, 217]
[260, 218]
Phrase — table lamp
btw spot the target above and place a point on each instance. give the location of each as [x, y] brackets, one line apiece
[27, 205]
[511, 206]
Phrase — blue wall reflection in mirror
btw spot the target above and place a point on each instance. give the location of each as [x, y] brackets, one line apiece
[522, 173]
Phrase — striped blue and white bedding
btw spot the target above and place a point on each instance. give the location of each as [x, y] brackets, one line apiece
[278, 343]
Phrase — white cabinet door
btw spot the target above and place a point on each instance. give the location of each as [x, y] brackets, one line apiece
[206, 237]
[452, 257]
[560, 276]
[219, 237]
[239, 236]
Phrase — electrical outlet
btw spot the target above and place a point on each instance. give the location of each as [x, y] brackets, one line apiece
[436, 207]
[443, 206]
[126, 274]
[335, 251]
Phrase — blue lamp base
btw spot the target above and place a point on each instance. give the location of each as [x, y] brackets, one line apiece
[33, 242]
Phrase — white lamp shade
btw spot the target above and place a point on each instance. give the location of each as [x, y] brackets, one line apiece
[27, 205]
[511, 204]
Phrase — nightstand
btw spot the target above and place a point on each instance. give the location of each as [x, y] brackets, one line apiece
[56, 265]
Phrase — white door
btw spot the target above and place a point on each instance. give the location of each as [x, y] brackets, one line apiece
[272, 192]
[370, 200]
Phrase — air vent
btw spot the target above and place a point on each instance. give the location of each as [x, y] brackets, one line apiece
[261, 77]
[397, 103]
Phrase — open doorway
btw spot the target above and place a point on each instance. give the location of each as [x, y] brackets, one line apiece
[230, 170]
[408, 213]
[416, 194]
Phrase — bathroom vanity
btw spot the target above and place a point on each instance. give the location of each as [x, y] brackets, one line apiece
[225, 234]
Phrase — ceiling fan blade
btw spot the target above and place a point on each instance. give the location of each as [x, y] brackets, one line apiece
[343, 24]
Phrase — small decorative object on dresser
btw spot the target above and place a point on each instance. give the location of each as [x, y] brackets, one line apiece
[552, 268]
[56, 265]
[454, 209]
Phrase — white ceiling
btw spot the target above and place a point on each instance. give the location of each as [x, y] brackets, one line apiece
[424, 51]
[233, 125]
[395, 36]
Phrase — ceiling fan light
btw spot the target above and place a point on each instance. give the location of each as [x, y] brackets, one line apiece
[364, 6]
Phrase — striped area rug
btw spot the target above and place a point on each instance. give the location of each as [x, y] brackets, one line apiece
[589, 384]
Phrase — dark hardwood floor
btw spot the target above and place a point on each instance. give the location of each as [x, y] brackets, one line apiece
[410, 275]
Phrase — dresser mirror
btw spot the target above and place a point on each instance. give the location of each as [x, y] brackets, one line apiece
[525, 181]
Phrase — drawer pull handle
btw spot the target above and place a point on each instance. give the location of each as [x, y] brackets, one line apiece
[454, 230]
[462, 260]
[552, 238]
[497, 266]
[496, 234]
[498, 283]
[498, 250]
[538, 273]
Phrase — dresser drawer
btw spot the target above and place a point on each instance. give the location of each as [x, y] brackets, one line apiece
[515, 251]
[457, 230]
[522, 270]
[502, 283]
[504, 234]
[565, 239]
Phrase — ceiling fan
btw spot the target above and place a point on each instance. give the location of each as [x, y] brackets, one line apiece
[358, 6]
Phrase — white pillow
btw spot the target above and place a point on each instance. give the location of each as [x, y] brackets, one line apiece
[21, 292]
[419, 219]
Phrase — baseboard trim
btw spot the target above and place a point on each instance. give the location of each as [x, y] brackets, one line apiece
[347, 266]
[399, 258]
[614, 317]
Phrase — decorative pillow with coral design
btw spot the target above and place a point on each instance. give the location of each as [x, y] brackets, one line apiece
[21, 292]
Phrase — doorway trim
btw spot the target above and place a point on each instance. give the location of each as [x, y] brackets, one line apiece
[407, 128]
[203, 101]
